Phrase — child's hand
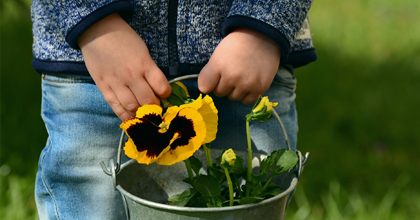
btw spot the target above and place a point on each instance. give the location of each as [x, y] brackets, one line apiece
[242, 66]
[120, 64]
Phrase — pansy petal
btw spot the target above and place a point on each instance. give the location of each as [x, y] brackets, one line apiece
[130, 149]
[196, 104]
[192, 129]
[207, 109]
[148, 109]
[171, 113]
[128, 123]
[144, 158]
[147, 137]
[209, 112]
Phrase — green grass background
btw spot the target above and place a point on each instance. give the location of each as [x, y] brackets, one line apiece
[358, 111]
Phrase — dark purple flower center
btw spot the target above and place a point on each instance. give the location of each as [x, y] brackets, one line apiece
[146, 135]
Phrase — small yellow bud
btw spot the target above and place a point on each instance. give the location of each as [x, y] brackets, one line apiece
[228, 157]
[261, 105]
[270, 106]
[265, 102]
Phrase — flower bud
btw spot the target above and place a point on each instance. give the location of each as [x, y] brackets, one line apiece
[264, 102]
[228, 158]
[262, 111]
[261, 105]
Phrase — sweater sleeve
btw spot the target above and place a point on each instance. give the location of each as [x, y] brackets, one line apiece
[75, 16]
[280, 20]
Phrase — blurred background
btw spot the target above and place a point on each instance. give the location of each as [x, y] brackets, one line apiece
[358, 111]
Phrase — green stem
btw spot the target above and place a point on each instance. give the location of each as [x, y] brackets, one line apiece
[189, 169]
[249, 171]
[208, 154]
[229, 181]
[269, 179]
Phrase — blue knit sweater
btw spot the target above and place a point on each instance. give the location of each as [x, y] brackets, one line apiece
[181, 34]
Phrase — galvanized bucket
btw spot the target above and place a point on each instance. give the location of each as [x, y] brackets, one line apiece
[146, 188]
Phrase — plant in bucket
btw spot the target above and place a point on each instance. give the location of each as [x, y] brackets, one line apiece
[225, 186]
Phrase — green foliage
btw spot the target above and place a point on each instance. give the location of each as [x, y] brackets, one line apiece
[279, 161]
[196, 164]
[178, 96]
[208, 189]
[183, 198]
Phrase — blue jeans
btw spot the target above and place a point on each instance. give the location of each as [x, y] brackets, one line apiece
[83, 131]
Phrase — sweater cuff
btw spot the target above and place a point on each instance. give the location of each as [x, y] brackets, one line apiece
[232, 22]
[124, 8]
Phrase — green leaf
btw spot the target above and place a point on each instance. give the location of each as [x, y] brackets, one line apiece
[196, 164]
[217, 173]
[249, 200]
[178, 91]
[257, 190]
[189, 181]
[238, 167]
[207, 185]
[272, 190]
[175, 100]
[265, 164]
[282, 160]
[183, 198]
[210, 201]
[261, 116]
[256, 179]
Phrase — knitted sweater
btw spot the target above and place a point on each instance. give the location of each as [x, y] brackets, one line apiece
[181, 35]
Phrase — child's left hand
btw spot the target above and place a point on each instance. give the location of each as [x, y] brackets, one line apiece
[242, 66]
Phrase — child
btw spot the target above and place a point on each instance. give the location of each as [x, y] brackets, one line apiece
[101, 60]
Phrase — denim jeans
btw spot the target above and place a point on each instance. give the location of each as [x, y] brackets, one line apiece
[83, 131]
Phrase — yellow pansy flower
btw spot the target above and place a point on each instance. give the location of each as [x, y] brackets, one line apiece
[173, 137]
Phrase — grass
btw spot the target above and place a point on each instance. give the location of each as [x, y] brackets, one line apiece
[358, 113]
[399, 203]
[17, 202]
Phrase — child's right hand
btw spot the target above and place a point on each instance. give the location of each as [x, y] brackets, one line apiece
[120, 64]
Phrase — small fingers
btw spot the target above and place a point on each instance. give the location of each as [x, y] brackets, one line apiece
[250, 98]
[158, 83]
[115, 104]
[236, 94]
[208, 79]
[126, 99]
[143, 93]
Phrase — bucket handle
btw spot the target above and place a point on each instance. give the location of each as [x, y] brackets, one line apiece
[115, 168]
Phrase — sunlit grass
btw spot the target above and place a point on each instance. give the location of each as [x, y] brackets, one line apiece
[399, 203]
[17, 200]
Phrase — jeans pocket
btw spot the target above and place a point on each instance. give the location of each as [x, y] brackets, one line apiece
[285, 78]
[282, 91]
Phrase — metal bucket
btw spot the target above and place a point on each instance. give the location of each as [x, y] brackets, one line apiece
[146, 188]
